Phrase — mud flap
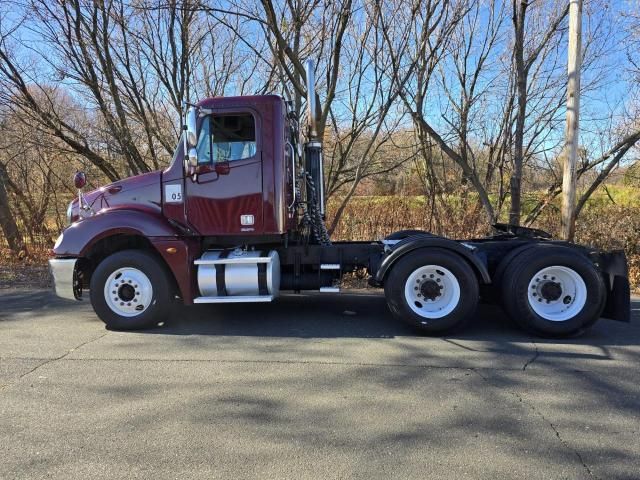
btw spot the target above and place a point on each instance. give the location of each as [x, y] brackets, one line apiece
[616, 274]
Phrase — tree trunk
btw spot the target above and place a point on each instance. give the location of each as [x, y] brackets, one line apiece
[7, 219]
[572, 132]
[519, 10]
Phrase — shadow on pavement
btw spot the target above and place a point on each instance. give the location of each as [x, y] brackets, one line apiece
[15, 303]
[363, 316]
[348, 315]
[313, 316]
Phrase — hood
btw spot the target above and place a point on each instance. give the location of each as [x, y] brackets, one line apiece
[141, 191]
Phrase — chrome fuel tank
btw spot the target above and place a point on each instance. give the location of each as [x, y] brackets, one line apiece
[238, 273]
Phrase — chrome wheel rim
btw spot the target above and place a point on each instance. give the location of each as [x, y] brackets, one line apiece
[432, 291]
[128, 292]
[557, 293]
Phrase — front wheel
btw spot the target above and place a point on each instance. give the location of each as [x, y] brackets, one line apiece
[432, 289]
[130, 290]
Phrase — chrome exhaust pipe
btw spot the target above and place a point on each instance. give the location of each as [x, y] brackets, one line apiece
[313, 147]
[311, 100]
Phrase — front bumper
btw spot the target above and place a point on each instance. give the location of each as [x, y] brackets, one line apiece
[66, 283]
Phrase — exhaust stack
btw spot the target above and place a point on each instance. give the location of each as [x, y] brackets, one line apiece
[313, 147]
[311, 100]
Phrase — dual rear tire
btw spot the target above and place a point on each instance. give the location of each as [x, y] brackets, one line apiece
[433, 290]
[548, 290]
[552, 291]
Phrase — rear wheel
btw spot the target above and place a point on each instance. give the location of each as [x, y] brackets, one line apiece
[130, 290]
[432, 289]
[553, 291]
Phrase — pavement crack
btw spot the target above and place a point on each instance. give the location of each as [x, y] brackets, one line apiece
[55, 359]
[532, 359]
[538, 413]
[289, 362]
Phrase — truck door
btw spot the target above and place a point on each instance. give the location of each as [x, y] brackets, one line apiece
[226, 197]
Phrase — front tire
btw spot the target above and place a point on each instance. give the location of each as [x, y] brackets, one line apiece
[553, 291]
[130, 290]
[433, 289]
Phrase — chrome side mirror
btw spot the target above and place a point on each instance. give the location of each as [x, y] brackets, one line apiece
[191, 131]
[84, 209]
[193, 158]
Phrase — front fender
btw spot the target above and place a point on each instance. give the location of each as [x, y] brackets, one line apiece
[78, 238]
[422, 241]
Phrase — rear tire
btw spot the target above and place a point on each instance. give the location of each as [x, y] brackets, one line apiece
[130, 290]
[553, 291]
[433, 289]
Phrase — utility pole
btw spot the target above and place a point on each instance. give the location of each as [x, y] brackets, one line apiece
[573, 119]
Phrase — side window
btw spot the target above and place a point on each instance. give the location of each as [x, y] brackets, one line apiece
[233, 137]
[204, 143]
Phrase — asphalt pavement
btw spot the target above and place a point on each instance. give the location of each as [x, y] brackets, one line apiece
[311, 386]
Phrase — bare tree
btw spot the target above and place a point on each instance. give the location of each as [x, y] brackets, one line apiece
[526, 51]
[418, 35]
[7, 220]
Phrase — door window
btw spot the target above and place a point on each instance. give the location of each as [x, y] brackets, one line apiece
[227, 138]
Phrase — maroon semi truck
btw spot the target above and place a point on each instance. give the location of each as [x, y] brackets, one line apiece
[238, 217]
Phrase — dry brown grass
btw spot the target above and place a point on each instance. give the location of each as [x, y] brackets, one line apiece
[30, 271]
[611, 228]
[367, 218]
[600, 225]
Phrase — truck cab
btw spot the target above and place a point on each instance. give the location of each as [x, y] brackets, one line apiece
[237, 190]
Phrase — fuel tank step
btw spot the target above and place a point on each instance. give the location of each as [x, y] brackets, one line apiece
[235, 299]
[330, 289]
[234, 261]
[330, 266]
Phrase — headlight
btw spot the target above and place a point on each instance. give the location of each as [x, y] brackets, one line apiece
[69, 213]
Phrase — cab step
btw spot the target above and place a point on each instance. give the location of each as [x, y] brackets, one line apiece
[235, 299]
